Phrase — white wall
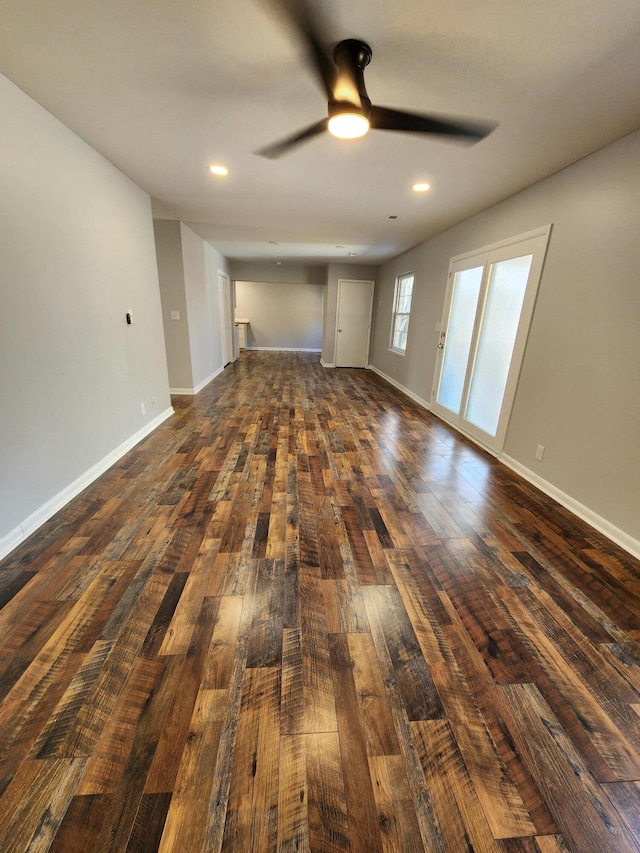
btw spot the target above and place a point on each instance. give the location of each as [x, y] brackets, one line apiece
[168, 240]
[278, 273]
[188, 273]
[578, 390]
[76, 253]
[281, 315]
[201, 263]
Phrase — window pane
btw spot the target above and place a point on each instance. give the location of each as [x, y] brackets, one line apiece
[402, 322]
[466, 288]
[400, 340]
[406, 286]
[507, 285]
[404, 304]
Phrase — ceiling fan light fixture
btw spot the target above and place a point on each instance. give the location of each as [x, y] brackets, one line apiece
[348, 125]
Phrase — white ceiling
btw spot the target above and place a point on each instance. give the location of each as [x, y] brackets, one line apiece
[163, 88]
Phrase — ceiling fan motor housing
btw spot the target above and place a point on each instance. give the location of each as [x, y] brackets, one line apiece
[351, 57]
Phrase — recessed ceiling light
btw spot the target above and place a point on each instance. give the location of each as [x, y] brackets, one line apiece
[341, 247]
[421, 187]
[217, 169]
[352, 254]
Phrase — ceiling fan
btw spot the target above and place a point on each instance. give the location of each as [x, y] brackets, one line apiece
[350, 111]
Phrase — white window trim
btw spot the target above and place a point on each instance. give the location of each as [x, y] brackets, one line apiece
[401, 352]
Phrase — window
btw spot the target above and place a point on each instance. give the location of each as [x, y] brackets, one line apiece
[401, 311]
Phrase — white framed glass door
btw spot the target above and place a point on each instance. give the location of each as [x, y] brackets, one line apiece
[488, 308]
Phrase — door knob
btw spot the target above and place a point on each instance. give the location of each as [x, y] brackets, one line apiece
[339, 330]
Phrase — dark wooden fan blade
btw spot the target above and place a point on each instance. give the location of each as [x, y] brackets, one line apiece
[383, 118]
[308, 28]
[272, 152]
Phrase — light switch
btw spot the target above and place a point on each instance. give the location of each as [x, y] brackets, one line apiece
[175, 315]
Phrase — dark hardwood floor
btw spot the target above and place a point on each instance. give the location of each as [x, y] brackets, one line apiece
[305, 615]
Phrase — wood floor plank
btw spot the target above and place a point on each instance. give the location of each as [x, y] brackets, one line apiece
[583, 817]
[186, 818]
[128, 791]
[252, 814]
[80, 828]
[34, 804]
[308, 703]
[167, 757]
[353, 752]
[625, 797]
[224, 641]
[265, 642]
[415, 683]
[30, 687]
[344, 606]
[87, 725]
[397, 821]
[293, 796]
[377, 555]
[423, 604]
[26, 735]
[331, 533]
[329, 828]
[375, 709]
[291, 604]
[180, 631]
[614, 747]
[22, 646]
[458, 816]
[148, 826]
[501, 802]
[108, 759]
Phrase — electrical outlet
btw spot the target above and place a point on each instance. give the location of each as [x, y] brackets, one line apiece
[143, 410]
[539, 452]
[175, 315]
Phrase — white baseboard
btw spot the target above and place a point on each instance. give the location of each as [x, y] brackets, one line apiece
[326, 363]
[400, 387]
[624, 540]
[44, 513]
[199, 387]
[281, 349]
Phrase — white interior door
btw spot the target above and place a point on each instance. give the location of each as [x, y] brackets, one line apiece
[226, 327]
[353, 322]
[488, 309]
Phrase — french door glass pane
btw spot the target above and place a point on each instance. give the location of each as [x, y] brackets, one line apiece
[466, 288]
[503, 304]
